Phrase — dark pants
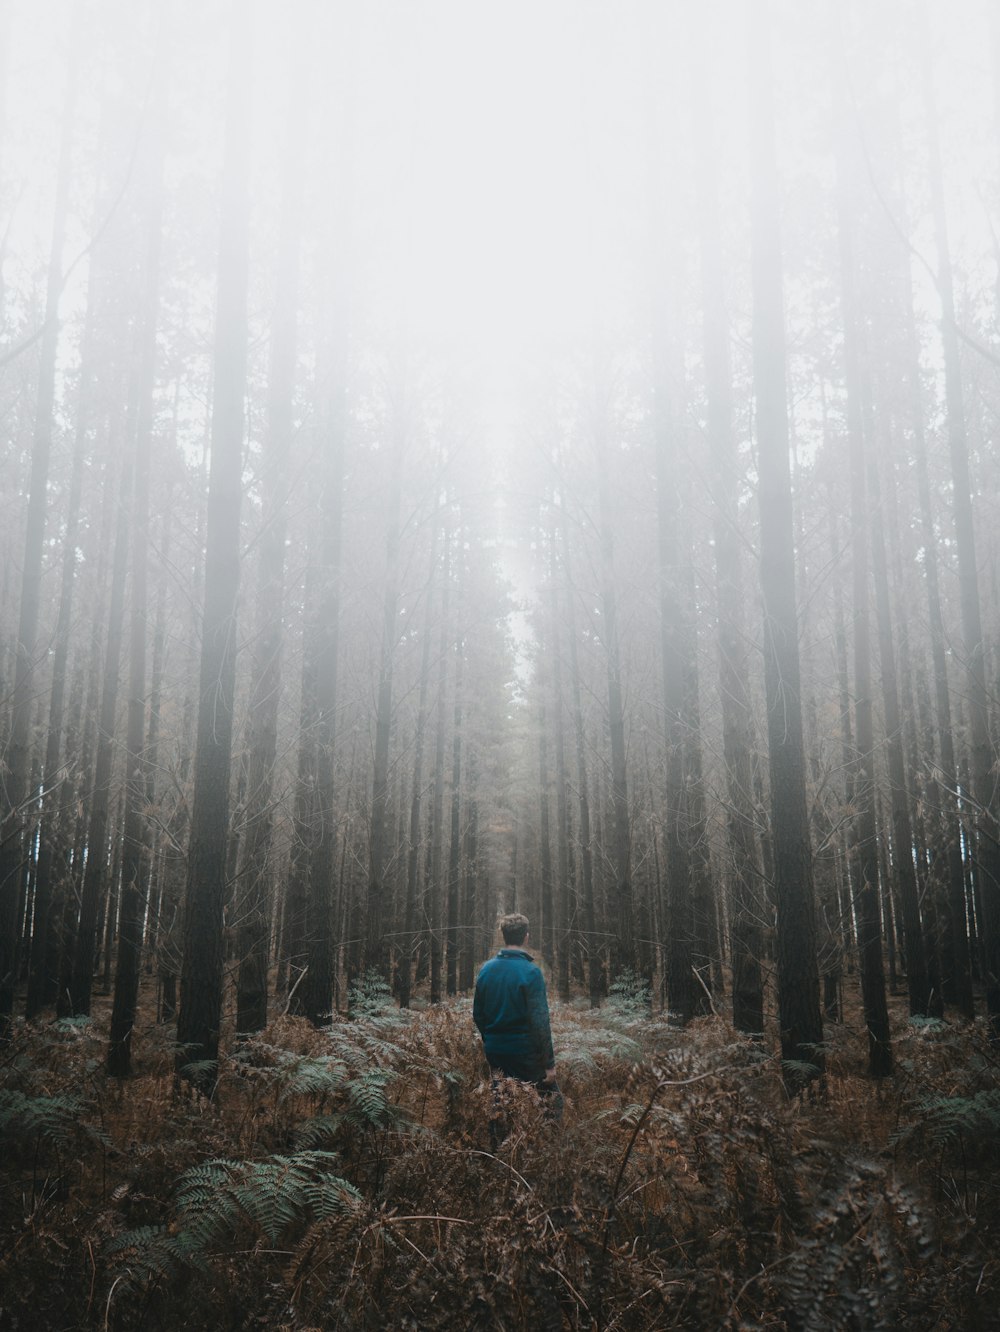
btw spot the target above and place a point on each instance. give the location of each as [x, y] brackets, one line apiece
[548, 1093]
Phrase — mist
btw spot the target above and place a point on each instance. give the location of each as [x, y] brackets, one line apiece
[463, 460]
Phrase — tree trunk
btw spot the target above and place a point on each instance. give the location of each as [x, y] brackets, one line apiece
[200, 1012]
[135, 849]
[97, 829]
[918, 986]
[545, 929]
[416, 794]
[734, 690]
[266, 686]
[317, 985]
[454, 846]
[986, 831]
[561, 915]
[623, 955]
[14, 788]
[799, 1016]
[376, 945]
[865, 838]
[436, 886]
[583, 797]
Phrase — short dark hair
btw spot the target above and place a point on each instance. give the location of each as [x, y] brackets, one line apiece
[514, 928]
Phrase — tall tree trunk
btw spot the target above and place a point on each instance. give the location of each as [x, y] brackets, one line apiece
[957, 980]
[986, 828]
[918, 985]
[734, 690]
[674, 631]
[135, 847]
[416, 793]
[562, 887]
[454, 845]
[94, 877]
[200, 1013]
[294, 907]
[865, 839]
[58, 784]
[583, 796]
[376, 944]
[317, 984]
[546, 926]
[623, 953]
[14, 788]
[799, 1016]
[157, 897]
[437, 891]
[468, 947]
[266, 686]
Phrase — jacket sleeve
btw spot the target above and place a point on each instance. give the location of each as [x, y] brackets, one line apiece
[538, 1010]
[478, 1007]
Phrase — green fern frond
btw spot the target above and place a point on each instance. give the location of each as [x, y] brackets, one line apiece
[316, 1132]
[948, 1122]
[221, 1204]
[57, 1120]
[200, 1071]
[333, 1197]
[322, 1076]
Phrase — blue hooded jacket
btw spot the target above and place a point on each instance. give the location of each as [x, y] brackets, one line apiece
[511, 1010]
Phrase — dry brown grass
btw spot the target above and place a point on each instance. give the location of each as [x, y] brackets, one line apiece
[682, 1190]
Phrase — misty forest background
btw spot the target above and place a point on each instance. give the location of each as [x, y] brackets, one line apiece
[457, 462]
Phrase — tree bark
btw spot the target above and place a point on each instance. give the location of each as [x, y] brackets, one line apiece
[376, 945]
[454, 845]
[593, 950]
[865, 838]
[416, 794]
[266, 686]
[135, 850]
[799, 1016]
[623, 953]
[15, 784]
[437, 892]
[199, 1017]
[986, 828]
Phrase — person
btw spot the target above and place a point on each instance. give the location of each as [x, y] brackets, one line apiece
[511, 1011]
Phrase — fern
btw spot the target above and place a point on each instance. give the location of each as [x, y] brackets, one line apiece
[852, 1270]
[221, 1205]
[370, 997]
[55, 1120]
[586, 1049]
[628, 996]
[949, 1123]
[290, 1074]
[200, 1072]
[316, 1132]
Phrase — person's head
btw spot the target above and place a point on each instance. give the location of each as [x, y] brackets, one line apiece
[514, 928]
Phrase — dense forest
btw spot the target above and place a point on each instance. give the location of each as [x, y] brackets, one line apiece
[460, 460]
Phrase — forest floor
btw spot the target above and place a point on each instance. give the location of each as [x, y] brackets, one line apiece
[344, 1179]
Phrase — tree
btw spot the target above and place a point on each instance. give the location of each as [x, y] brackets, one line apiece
[266, 689]
[734, 683]
[986, 826]
[16, 784]
[199, 1016]
[799, 1015]
[135, 862]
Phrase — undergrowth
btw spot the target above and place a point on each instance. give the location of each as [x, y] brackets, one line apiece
[344, 1179]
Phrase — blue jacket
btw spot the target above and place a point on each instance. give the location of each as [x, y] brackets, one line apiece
[511, 1010]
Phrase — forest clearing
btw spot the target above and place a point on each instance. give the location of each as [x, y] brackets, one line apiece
[527, 467]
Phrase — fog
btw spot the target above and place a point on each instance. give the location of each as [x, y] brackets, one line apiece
[462, 456]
